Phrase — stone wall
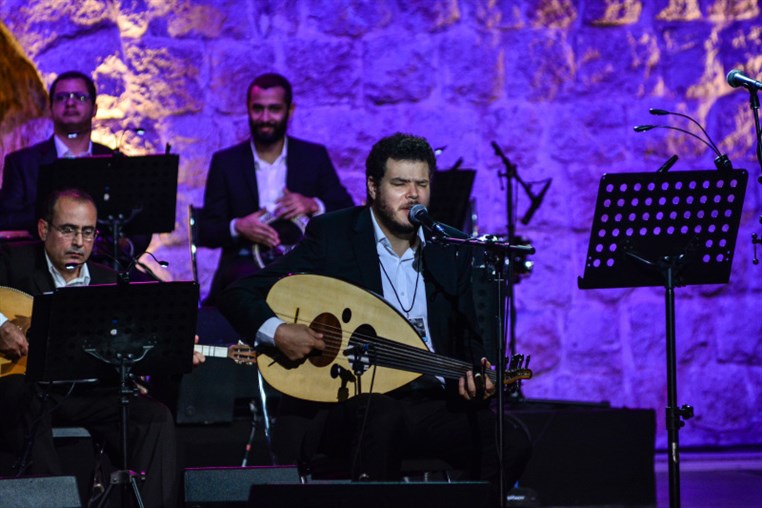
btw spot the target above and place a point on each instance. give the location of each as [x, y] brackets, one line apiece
[558, 84]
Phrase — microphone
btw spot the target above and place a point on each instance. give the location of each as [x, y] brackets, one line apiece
[536, 202]
[737, 78]
[70, 267]
[419, 216]
[499, 153]
[76, 134]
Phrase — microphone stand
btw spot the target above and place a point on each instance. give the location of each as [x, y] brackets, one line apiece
[754, 105]
[511, 173]
[495, 253]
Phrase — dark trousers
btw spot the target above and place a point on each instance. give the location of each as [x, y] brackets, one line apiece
[151, 431]
[374, 433]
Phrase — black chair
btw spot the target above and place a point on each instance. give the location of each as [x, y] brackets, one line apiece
[259, 406]
[297, 418]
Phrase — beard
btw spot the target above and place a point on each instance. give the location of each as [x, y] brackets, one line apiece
[277, 133]
[385, 215]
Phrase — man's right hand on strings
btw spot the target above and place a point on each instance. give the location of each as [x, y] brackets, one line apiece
[13, 344]
[298, 341]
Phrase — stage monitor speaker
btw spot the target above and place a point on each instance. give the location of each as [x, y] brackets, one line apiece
[585, 456]
[50, 492]
[229, 486]
[371, 495]
[208, 394]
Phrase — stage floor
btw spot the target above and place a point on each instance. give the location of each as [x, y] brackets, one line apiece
[716, 479]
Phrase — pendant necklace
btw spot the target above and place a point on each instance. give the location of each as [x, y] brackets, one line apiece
[415, 292]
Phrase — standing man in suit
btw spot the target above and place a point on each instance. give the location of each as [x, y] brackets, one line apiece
[68, 231]
[269, 175]
[72, 109]
[377, 247]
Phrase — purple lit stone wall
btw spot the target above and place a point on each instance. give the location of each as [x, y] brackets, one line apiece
[557, 83]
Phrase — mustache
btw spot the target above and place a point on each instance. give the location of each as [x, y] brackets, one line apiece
[79, 252]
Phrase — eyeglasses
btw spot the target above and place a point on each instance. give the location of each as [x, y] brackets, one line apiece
[76, 96]
[70, 232]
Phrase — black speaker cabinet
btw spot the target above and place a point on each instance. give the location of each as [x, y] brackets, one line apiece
[229, 486]
[587, 456]
[50, 492]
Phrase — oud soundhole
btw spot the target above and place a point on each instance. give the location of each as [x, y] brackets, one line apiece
[329, 326]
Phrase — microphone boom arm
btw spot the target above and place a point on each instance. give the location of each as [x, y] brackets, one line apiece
[512, 172]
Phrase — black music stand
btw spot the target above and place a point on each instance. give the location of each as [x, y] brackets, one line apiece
[136, 195]
[665, 229]
[88, 331]
[450, 195]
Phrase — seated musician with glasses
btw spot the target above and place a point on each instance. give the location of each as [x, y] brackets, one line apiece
[68, 231]
[72, 110]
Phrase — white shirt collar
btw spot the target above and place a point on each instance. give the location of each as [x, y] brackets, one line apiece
[381, 238]
[63, 152]
[261, 164]
[58, 279]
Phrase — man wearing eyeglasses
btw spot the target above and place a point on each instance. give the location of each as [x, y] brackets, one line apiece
[72, 109]
[68, 231]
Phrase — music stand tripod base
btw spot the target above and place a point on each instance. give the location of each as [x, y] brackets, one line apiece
[87, 331]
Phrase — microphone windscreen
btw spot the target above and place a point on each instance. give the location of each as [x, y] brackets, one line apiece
[415, 213]
[731, 78]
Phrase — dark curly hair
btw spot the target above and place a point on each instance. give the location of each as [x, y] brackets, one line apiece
[400, 147]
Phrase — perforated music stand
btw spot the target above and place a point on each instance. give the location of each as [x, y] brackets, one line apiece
[671, 230]
[112, 319]
[88, 331]
[136, 195]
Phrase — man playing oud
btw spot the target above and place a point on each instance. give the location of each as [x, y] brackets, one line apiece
[377, 248]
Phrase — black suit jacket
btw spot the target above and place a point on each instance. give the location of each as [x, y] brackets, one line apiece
[23, 267]
[18, 197]
[342, 245]
[232, 192]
